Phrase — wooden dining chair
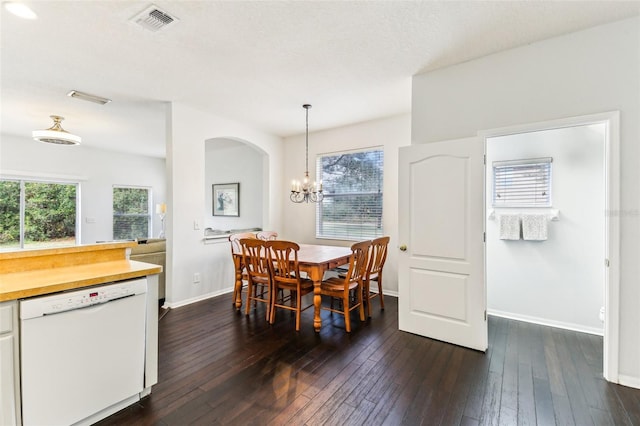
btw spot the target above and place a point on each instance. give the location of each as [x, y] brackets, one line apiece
[285, 275]
[377, 258]
[340, 288]
[240, 272]
[254, 255]
[267, 235]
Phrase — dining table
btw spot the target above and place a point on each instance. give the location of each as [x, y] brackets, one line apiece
[314, 260]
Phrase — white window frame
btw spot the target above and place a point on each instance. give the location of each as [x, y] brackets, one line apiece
[149, 208]
[15, 177]
[522, 183]
[321, 232]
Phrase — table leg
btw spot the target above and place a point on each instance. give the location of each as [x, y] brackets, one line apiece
[317, 306]
[315, 274]
[238, 285]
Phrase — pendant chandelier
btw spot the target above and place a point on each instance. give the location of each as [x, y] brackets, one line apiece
[306, 191]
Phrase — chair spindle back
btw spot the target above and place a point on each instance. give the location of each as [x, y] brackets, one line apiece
[359, 262]
[283, 261]
[378, 255]
[267, 235]
[254, 253]
[234, 239]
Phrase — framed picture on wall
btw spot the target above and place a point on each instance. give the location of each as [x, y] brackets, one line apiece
[226, 199]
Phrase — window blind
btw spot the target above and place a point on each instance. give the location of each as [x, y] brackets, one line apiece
[522, 183]
[352, 187]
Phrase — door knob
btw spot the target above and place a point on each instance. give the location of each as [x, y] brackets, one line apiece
[403, 248]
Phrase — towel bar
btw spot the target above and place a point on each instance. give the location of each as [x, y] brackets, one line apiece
[552, 214]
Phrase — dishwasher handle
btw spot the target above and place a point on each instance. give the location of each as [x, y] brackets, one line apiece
[36, 307]
[87, 306]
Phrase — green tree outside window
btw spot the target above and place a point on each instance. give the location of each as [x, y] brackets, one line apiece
[48, 219]
[352, 188]
[131, 213]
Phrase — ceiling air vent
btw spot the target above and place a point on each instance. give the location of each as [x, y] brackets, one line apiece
[153, 19]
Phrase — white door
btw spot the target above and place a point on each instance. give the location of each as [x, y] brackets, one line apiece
[441, 278]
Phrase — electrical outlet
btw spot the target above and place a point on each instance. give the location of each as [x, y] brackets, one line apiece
[196, 278]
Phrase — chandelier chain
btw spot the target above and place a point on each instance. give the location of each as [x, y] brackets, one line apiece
[306, 107]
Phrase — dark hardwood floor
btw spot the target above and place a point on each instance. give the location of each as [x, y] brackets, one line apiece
[220, 367]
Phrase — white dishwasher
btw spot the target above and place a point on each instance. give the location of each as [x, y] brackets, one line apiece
[82, 353]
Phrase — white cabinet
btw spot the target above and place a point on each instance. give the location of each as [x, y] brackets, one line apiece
[9, 367]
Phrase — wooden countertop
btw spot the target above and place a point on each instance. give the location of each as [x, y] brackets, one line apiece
[100, 248]
[30, 273]
[19, 285]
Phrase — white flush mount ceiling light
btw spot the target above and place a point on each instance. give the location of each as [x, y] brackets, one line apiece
[56, 134]
[87, 97]
[20, 10]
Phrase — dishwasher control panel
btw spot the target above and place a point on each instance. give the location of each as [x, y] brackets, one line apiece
[77, 299]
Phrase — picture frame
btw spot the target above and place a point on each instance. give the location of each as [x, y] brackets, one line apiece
[226, 199]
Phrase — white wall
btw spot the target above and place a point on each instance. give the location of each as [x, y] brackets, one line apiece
[96, 170]
[229, 162]
[299, 219]
[560, 281]
[187, 253]
[586, 72]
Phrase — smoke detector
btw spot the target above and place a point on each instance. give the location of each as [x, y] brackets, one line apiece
[56, 134]
[153, 19]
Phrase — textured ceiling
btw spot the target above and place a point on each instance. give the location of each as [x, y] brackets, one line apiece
[255, 62]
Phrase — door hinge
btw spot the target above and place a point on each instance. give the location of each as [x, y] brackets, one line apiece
[485, 315]
[607, 263]
[484, 159]
[484, 237]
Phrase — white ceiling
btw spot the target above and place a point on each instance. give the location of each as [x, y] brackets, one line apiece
[256, 62]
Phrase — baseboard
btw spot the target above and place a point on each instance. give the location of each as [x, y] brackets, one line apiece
[546, 322]
[200, 298]
[629, 381]
[385, 292]
[163, 311]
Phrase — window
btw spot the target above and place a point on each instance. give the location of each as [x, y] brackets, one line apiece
[131, 213]
[352, 187]
[522, 183]
[37, 214]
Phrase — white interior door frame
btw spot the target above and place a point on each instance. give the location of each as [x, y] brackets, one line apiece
[612, 220]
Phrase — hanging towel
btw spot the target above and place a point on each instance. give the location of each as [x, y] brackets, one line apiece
[534, 227]
[509, 226]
